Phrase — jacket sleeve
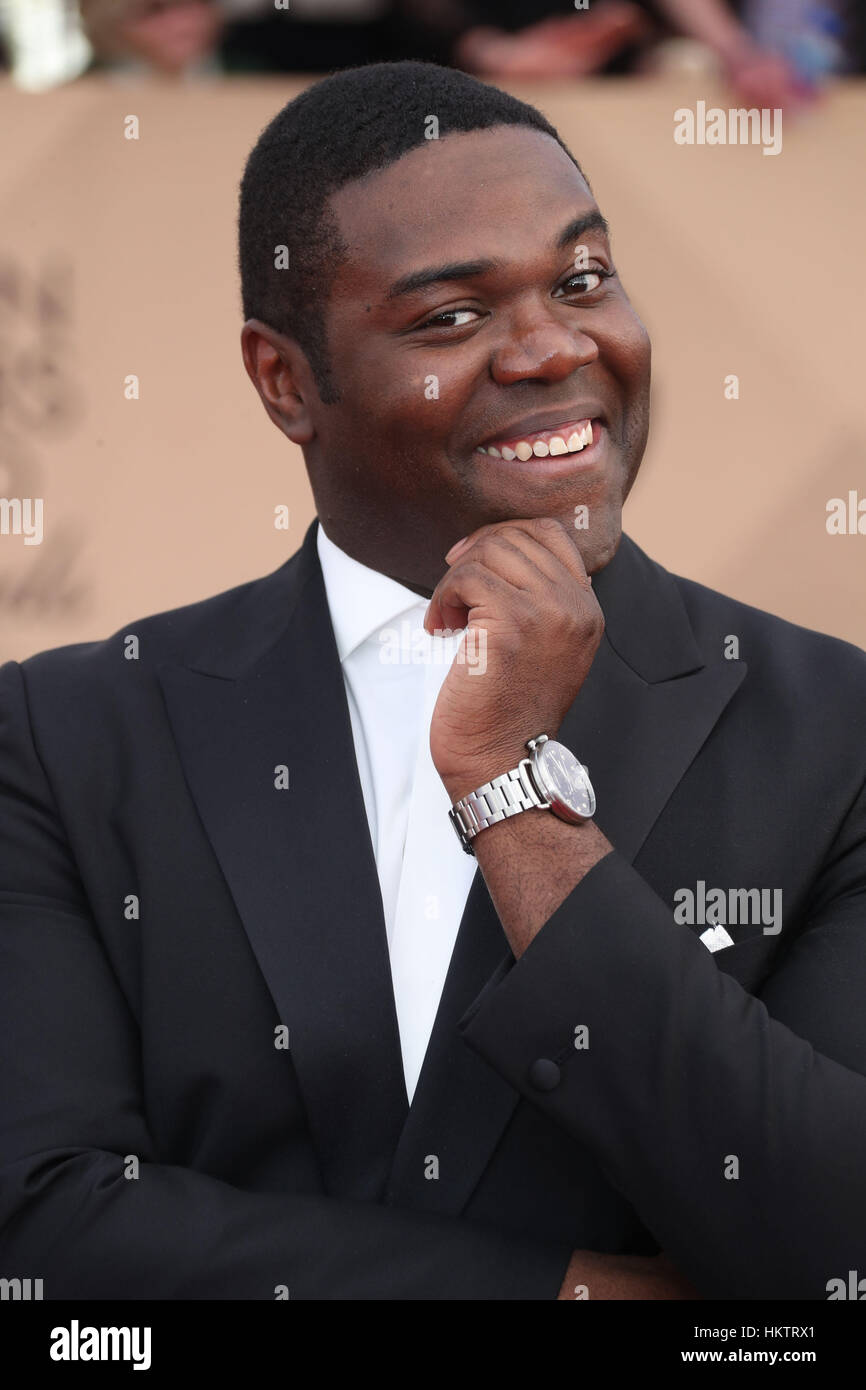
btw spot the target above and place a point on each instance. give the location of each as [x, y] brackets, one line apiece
[73, 1108]
[734, 1124]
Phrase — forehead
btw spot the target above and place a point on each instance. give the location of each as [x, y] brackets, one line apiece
[504, 192]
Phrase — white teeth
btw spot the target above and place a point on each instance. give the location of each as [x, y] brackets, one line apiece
[577, 440]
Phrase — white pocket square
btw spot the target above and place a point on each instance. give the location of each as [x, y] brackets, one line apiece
[716, 938]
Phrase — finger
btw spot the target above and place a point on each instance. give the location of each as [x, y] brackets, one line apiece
[518, 559]
[545, 561]
[462, 590]
[547, 531]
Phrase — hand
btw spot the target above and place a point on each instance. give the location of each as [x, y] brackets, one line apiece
[561, 46]
[764, 79]
[534, 629]
[624, 1277]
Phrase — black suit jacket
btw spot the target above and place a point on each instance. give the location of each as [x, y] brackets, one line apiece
[165, 908]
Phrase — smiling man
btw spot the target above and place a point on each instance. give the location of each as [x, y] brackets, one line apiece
[271, 1028]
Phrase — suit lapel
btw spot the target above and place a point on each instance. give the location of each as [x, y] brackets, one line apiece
[650, 701]
[638, 741]
[640, 719]
[298, 861]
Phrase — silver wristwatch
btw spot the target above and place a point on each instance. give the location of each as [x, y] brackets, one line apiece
[551, 779]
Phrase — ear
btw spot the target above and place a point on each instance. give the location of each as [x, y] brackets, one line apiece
[279, 370]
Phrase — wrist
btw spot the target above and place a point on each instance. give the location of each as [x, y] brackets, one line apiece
[481, 767]
[547, 776]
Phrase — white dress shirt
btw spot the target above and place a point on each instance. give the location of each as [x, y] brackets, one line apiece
[393, 672]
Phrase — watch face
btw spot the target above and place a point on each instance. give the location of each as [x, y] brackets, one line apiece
[565, 781]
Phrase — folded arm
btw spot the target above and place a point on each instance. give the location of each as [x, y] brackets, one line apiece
[735, 1125]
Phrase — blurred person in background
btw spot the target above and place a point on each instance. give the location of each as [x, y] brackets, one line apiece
[771, 52]
[310, 36]
[171, 37]
[189, 37]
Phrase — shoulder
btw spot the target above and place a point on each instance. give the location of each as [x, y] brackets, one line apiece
[175, 636]
[773, 648]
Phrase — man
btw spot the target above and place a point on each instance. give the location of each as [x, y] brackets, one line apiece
[238, 931]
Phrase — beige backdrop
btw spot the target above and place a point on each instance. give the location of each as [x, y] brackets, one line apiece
[118, 257]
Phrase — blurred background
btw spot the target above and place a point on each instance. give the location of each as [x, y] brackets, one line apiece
[124, 405]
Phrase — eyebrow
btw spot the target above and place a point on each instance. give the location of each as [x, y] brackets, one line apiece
[468, 270]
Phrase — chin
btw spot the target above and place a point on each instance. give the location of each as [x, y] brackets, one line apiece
[597, 548]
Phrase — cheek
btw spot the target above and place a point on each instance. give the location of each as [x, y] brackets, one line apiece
[423, 394]
[416, 398]
[631, 352]
[624, 340]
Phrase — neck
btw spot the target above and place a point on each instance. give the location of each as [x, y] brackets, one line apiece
[370, 556]
[416, 588]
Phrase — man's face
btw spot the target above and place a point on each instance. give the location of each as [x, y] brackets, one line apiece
[476, 308]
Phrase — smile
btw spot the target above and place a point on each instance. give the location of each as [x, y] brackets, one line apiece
[571, 438]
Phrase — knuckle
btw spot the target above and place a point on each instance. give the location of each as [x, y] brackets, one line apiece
[475, 569]
[588, 619]
[500, 540]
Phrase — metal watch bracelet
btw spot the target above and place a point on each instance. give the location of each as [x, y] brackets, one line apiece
[496, 800]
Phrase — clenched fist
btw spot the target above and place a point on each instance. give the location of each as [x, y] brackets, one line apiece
[535, 627]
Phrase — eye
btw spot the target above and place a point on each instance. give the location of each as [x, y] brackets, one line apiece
[591, 278]
[450, 318]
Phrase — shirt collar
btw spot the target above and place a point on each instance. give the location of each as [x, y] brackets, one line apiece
[360, 599]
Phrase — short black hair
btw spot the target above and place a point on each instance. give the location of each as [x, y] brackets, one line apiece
[339, 129]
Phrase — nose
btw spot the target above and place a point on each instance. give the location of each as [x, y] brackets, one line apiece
[540, 347]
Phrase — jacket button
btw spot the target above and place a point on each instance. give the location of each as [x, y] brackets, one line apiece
[544, 1075]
